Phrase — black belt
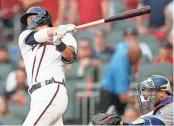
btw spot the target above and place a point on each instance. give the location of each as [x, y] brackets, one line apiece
[39, 85]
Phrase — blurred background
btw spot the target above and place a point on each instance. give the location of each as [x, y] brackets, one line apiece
[111, 57]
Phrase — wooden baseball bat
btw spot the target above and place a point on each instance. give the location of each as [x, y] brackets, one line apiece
[121, 16]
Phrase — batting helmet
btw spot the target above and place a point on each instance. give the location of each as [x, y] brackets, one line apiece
[43, 17]
[147, 88]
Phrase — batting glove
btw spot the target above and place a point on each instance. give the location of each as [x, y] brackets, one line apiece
[59, 33]
[68, 28]
[57, 40]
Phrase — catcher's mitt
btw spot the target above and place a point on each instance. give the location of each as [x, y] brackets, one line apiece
[106, 119]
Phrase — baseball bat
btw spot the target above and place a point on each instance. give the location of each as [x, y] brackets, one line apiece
[121, 16]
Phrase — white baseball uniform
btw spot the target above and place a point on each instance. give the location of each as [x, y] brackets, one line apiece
[42, 62]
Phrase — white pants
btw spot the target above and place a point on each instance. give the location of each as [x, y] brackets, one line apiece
[47, 106]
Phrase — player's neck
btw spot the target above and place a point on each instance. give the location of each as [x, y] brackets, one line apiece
[164, 97]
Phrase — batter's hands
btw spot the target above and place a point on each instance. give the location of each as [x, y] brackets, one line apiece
[69, 28]
[61, 31]
[57, 40]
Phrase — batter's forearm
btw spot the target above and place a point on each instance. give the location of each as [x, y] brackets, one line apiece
[68, 53]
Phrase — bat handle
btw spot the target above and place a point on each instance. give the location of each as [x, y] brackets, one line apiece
[90, 24]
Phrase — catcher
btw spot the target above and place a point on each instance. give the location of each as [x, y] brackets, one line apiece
[154, 96]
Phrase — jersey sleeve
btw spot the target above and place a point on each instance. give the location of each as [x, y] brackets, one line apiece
[22, 45]
[23, 36]
[69, 40]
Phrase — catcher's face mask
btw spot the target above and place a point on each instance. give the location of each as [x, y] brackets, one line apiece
[146, 95]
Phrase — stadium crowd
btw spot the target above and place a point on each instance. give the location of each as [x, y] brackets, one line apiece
[114, 55]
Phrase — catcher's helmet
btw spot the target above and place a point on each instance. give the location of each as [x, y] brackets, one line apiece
[43, 17]
[147, 88]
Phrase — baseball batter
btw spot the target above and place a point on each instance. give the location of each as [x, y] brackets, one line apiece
[45, 50]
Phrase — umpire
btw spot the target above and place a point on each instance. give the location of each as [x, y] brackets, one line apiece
[115, 84]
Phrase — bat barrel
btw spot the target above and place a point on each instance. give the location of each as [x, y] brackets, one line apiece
[129, 14]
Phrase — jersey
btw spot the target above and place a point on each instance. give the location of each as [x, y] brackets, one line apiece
[43, 61]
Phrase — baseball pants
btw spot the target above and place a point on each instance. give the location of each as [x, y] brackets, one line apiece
[47, 106]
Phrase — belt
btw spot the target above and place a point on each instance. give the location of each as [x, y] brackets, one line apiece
[43, 83]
